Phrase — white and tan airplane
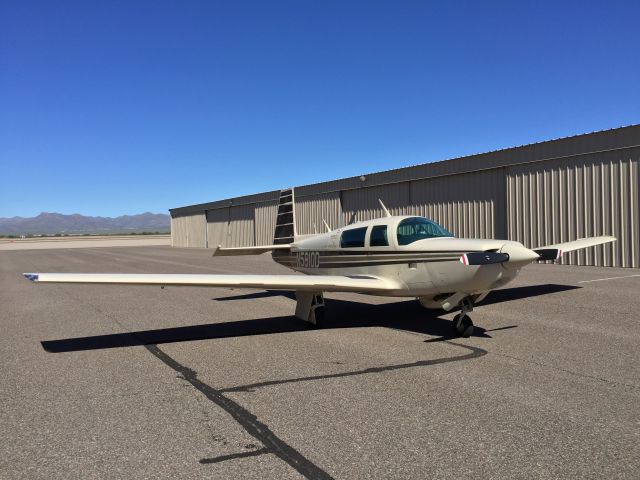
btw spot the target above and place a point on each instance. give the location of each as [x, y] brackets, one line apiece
[395, 256]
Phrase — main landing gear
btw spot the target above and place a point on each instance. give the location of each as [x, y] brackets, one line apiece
[310, 307]
[462, 324]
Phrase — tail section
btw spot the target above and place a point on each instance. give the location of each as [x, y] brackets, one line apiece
[285, 232]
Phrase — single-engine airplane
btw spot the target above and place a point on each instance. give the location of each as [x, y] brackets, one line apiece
[396, 256]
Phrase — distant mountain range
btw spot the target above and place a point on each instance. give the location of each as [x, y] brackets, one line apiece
[52, 223]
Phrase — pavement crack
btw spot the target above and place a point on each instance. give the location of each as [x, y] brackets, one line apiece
[260, 431]
[205, 414]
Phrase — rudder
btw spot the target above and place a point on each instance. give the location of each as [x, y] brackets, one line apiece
[285, 231]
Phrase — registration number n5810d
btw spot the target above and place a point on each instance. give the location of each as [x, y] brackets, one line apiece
[308, 259]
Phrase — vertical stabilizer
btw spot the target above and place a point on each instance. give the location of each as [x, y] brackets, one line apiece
[285, 221]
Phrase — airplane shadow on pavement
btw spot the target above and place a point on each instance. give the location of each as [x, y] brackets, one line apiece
[406, 315]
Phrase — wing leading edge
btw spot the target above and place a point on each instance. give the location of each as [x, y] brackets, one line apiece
[554, 252]
[578, 244]
[311, 283]
[233, 251]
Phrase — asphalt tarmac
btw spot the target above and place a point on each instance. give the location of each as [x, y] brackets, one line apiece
[142, 382]
[93, 241]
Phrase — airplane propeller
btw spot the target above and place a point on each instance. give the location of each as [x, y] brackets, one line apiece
[512, 255]
[483, 258]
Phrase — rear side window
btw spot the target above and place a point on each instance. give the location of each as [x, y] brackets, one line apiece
[353, 238]
[379, 236]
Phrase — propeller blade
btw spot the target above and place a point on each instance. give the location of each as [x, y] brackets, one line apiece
[549, 253]
[483, 258]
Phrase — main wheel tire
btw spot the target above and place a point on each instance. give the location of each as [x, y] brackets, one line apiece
[319, 314]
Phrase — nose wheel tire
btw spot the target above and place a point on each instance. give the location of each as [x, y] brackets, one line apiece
[463, 326]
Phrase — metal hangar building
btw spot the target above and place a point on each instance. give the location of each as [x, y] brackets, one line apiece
[538, 194]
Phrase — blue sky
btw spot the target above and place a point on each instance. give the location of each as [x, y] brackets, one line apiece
[119, 107]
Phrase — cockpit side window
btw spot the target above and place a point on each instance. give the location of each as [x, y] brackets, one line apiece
[353, 237]
[417, 228]
[379, 236]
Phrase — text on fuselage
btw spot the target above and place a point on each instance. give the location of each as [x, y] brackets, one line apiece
[308, 259]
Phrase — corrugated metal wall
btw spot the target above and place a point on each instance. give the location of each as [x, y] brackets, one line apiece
[362, 204]
[537, 194]
[311, 209]
[241, 226]
[562, 200]
[217, 227]
[468, 205]
[232, 226]
[464, 204]
[188, 231]
[265, 222]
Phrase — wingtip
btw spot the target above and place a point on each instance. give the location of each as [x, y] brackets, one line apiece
[31, 276]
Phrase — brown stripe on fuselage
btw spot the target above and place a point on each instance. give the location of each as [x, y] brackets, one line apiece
[354, 258]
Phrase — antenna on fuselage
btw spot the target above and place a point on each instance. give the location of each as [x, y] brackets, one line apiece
[384, 208]
[326, 225]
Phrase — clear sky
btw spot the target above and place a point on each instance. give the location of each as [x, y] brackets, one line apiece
[120, 107]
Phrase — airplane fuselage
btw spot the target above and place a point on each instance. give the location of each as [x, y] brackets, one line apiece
[424, 267]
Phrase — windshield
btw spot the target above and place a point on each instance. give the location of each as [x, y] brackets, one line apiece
[418, 228]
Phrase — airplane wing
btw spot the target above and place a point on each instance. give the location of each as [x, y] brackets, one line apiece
[553, 252]
[231, 251]
[310, 283]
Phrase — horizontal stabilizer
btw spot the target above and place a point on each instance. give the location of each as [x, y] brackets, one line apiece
[232, 251]
[311, 283]
[483, 258]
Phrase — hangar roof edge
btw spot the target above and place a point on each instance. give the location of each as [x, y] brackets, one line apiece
[601, 140]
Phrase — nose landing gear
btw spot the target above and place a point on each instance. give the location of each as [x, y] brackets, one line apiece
[462, 324]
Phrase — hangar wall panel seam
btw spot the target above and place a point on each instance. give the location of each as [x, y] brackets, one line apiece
[242, 226]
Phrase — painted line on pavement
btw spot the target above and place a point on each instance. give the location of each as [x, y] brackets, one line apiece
[609, 278]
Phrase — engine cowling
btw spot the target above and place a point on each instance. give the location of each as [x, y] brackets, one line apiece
[430, 303]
